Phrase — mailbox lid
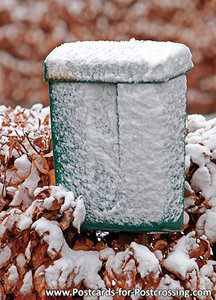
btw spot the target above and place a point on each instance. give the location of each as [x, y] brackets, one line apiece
[125, 61]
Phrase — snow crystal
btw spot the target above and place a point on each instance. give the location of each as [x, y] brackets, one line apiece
[27, 284]
[5, 254]
[12, 275]
[147, 261]
[125, 61]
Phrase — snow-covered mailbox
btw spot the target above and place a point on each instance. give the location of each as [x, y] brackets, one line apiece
[118, 126]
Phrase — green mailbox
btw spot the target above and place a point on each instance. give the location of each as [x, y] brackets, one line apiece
[118, 126]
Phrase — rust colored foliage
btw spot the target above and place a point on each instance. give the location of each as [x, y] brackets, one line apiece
[39, 250]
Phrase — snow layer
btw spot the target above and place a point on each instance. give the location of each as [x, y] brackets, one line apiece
[50, 232]
[21, 261]
[147, 261]
[206, 225]
[179, 260]
[30, 184]
[13, 275]
[116, 261]
[206, 272]
[201, 150]
[126, 61]
[122, 148]
[23, 166]
[27, 284]
[5, 254]
[79, 213]
[167, 283]
[74, 267]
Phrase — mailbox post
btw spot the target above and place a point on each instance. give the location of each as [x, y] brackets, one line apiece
[118, 126]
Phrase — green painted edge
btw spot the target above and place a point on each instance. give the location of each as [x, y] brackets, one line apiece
[153, 227]
[53, 134]
[45, 73]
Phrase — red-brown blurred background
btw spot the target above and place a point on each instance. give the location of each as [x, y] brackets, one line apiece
[30, 29]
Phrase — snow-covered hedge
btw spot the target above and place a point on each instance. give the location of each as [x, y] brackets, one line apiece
[39, 251]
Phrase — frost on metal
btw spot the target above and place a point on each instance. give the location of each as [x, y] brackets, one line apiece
[122, 148]
[126, 61]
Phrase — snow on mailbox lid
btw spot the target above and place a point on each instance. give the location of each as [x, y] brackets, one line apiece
[118, 127]
[125, 61]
